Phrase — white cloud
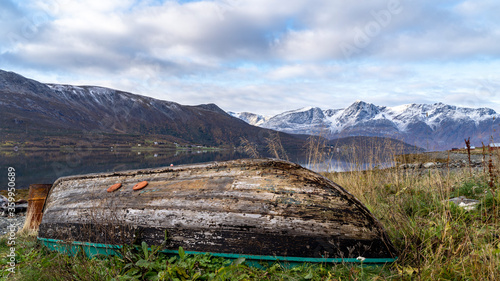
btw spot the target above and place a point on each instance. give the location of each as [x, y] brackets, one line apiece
[305, 71]
[259, 53]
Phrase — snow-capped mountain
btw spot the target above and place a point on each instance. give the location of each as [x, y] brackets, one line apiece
[308, 120]
[432, 126]
[250, 118]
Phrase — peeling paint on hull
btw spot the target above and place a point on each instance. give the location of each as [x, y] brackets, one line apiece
[256, 207]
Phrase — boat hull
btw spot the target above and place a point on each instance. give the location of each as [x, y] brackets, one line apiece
[259, 208]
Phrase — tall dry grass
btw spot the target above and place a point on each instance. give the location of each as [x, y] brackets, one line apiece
[436, 239]
[250, 148]
[275, 147]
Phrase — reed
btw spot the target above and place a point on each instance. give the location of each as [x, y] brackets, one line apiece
[250, 148]
[436, 239]
[275, 147]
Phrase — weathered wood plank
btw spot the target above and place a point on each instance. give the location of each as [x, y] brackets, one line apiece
[245, 206]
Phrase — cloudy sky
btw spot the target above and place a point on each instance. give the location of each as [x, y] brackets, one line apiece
[263, 56]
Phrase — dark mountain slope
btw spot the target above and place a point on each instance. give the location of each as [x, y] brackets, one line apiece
[29, 108]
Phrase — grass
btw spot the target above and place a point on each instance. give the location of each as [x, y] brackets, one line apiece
[142, 263]
[21, 193]
[436, 239]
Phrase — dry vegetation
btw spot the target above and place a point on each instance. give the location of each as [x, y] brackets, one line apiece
[436, 239]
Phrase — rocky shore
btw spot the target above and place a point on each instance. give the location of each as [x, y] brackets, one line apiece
[12, 222]
[445, 160]
[443, 165]
[16, 222]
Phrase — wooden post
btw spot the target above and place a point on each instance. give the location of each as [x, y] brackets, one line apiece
[36, 199]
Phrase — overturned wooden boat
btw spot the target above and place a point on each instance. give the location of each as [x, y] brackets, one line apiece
[259, 209]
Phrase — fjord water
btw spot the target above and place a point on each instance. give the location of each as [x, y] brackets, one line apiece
[45, 166]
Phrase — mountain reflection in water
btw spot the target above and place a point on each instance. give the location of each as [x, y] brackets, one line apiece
[45, 166]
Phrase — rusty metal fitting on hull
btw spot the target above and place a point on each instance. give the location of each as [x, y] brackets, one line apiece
[114, 187]
[140, 185]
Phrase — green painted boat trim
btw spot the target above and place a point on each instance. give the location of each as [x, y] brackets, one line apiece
[94, 249]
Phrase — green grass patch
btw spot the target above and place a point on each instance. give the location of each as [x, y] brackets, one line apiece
[435, 238]
[35, 262]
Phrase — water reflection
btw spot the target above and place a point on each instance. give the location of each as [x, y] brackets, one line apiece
[45, 166]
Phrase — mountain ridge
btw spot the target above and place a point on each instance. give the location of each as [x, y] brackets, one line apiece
[432, 126]
[30, 110]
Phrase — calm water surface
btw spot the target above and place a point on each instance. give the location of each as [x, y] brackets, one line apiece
[46, 166]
